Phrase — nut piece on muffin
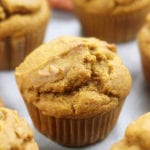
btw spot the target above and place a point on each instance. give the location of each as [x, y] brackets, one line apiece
[15, 133]
[74, 89]
[112, 20]
[137, 136]
[22, 28]
[144, 45]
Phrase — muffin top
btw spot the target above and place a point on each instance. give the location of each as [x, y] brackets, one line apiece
[137, 136]
[74, 77]
[111, 7]
[15, 132]
[16, 6]
[19, 13]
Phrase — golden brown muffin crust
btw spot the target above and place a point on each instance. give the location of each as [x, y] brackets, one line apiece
[20, 6]
[21, 16]
[15, 133]
[124, 2]
[2, 13]
[74, 77]
[111, 7]
[137, 136]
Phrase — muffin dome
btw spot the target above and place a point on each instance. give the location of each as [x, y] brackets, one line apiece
[15, 132]
[18, 15]
[137, 135]
[113, 7]
[73, 77]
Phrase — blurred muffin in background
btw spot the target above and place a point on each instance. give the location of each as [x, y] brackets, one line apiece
[22, 28]
[74, 89]
[112, 20]
[15, 134]
[137, 136]
[61, 4]
[144, 45]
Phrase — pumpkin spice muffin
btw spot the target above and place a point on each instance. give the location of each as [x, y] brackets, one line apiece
[112, 20]
[74, 89]
[15, 133]
[144, 45]
[22, 28]
[137, 135]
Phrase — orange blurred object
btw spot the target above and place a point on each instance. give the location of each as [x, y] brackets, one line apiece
[62, 4]
[1, 103]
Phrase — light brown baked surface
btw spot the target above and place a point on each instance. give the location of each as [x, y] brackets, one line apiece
[74, 77]
[23, 6]
[20, 17]
[111, 7]
[15, 133]
[137, 136]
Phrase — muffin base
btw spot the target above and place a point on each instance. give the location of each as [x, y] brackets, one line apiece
[145, 59]
[74, 132]
[112, 28]
[14, 49]
[146, 68]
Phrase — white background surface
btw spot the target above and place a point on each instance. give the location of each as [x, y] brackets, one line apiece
[137, 103]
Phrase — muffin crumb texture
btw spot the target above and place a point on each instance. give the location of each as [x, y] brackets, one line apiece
[137, 136]
[115, 6]
[75, 77]
[2, 14]
[15, 133]
[23, 6]
[124, 1]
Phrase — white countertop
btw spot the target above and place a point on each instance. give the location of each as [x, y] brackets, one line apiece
[137, 103]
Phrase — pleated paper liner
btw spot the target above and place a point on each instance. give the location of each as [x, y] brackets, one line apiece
[112, 28]
[146, 68]
[145, 59]
[74, 132]
[14, 49]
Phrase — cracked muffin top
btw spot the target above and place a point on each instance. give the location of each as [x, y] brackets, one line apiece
[10, 7]
[111, 7]
[137, 136]
[74, 77]
[15, 133]
[18, 14]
